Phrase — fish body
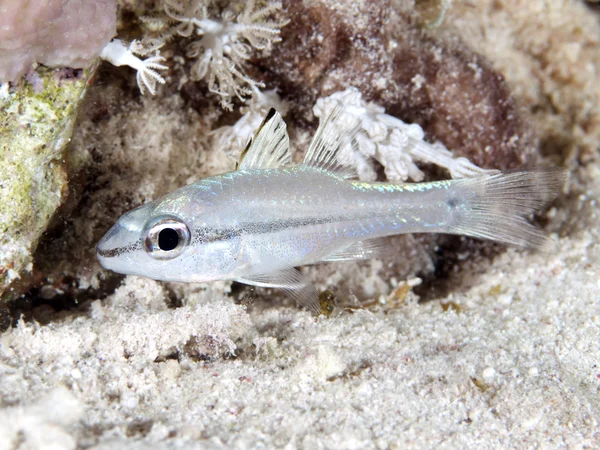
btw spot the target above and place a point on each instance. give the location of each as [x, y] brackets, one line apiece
[256, 224]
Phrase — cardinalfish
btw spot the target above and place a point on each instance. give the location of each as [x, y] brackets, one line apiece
[255, 225]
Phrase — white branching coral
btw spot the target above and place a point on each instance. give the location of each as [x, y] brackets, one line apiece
[225, 45]
[395, 144]
[118, 54]
[232, 139]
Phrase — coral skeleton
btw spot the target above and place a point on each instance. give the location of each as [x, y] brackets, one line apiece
[224, 45]
[119, 54]
[387, 139]
[232, 139]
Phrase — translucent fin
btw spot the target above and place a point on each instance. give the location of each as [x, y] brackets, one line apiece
[332, 148]
[497, 207]
[270, 146]
[292, 282]
[369, 249]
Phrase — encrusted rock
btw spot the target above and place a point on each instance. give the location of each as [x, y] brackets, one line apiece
[36, 122]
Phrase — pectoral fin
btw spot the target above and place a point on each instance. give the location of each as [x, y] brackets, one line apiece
[292, 282]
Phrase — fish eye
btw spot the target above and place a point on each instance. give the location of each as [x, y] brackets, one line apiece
[166, 237]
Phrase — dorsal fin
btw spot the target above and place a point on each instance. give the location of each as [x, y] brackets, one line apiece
[332, 147]
[270, 146]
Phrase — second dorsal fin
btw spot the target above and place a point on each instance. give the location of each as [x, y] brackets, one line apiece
[270, 146]
[332, 148]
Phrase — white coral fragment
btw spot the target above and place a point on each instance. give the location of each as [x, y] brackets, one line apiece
[225, 45]
[118, 54]
[398, 146]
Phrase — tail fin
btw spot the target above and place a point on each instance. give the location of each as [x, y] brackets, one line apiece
[498, 207]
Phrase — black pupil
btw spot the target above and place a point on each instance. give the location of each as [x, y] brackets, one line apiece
[168, 239]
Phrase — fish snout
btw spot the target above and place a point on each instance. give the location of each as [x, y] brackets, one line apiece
[115, 243]
[105, 248]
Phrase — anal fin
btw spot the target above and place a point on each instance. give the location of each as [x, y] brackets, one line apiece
[359, 251]
[292, 282]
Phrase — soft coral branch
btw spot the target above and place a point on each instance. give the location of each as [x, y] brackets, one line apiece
[118, 54]
[398, 146]
[225, 45]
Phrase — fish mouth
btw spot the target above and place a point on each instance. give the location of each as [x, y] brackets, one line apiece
[104, 247]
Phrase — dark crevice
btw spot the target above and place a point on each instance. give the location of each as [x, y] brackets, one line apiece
[41, 303]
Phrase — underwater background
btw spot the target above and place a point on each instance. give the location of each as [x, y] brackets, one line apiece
[450, 342]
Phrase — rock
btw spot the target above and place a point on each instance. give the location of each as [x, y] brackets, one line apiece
[36, 123]
[416, 75]
[56, 33]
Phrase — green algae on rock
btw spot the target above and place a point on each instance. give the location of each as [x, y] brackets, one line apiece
[36, 122]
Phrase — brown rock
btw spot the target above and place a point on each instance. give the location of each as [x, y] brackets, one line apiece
[380, 48]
